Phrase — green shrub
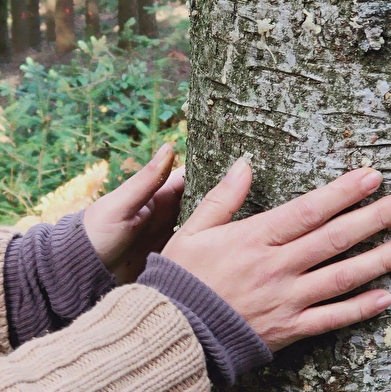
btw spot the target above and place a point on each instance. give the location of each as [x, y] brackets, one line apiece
[59, 120]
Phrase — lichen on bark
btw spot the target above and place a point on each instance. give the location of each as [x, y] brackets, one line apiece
[302, 89]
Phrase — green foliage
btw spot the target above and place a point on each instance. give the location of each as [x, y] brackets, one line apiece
[102, 105]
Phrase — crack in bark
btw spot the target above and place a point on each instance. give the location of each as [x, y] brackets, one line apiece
[351, 114]
[294, 74]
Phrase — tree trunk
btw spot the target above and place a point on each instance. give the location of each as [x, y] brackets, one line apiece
[145, 23]
[20, 27]
[126, 10]
[5, 49]
[303, 91]
[50, 21]
[92, 19]
[65, 26]
[34, 24]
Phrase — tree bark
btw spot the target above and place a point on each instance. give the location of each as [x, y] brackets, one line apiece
[50, 20]
[34, 24]
[126, 10]
[92, 19]
[5, 48]
[65, 26]
[303, 91]
[145, 23]
[19, 30]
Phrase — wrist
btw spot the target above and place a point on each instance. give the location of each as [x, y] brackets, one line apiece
[230, 345]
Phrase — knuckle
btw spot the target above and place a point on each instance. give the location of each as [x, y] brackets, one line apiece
[307, 327]
[382, 218]
[309, 216]
[333, 322]
[384, 260]
[346, 196]
[143, 179]
[214, 203]
[337, 239]
[361, 313]
[344, 280]
[275, 235]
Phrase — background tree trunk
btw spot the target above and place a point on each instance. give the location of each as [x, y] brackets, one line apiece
[303, 91]
[5, 49]
[126, 9]
[20, 28]
[34, 24]
[145, 23]
[50, 20]
[92, 19]
[65, 26]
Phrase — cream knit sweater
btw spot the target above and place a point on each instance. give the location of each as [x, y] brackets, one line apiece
[134, 339]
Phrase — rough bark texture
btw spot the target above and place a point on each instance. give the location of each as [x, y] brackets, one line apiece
[5, 48]
[302, 89]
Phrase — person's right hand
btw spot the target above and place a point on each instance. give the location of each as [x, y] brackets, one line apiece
[262, 265]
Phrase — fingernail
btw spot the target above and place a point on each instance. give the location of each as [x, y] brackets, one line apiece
[384, 302]
[236, 170]
[160, 155]
[372, 180]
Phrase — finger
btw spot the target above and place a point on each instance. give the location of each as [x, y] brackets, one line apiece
[173, 187]
[321, 319]
[176, 180]
[306, 213]
[344, 276]
[222, 201]
[338, 235]
[134, 193]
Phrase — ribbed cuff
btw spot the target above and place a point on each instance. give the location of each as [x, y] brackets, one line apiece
[51, 276]
[230, 344]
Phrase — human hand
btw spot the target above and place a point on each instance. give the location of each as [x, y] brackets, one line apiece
[138, 217]
[262, 265]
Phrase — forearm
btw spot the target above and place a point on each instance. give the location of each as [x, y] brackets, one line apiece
[230, 345]
[51, 276]
[7, 234]
[134, 339]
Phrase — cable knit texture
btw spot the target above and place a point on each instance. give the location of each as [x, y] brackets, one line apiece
[52, 275]
[231, 345]
[137, 338]
[6, 236]
[133, 340]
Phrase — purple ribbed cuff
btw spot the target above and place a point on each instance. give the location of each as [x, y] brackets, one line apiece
[51, 275]
[230, 344]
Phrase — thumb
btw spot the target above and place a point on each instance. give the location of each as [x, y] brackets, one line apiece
[134, 193]
[222, 201]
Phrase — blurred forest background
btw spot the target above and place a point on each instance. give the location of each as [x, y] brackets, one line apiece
[89, 90]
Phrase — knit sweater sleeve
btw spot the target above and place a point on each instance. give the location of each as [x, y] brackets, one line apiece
[7, 234]
[134, 339]
[52, 275]
[231, 346]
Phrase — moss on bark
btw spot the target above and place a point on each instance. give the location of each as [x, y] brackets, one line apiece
[300, 88]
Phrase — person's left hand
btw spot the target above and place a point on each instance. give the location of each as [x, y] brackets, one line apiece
[137, 218]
